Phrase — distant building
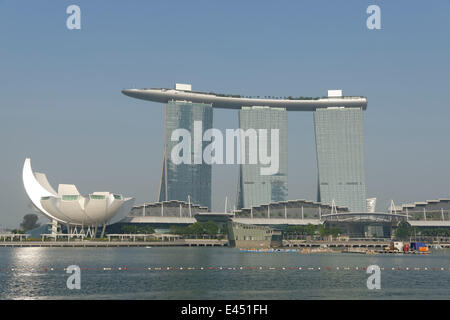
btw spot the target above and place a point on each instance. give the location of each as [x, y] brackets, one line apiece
[364, 224]
[371, 204]
[250, 236]
[69, 208]
[254, 188]
[340, 157]
[338, 123]
[172, 208]
[429, 210]
[291, 209]
[181, 181]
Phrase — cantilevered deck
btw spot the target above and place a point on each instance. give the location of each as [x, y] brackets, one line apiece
[237, 101]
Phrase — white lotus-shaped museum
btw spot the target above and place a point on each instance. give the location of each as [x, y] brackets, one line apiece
[68, 207]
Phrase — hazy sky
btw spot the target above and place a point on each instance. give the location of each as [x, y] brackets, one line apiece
[61, 105]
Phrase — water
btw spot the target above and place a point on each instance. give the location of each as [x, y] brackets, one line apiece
[33, 277]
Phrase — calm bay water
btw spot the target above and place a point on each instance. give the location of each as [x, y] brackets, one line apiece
[26, 273]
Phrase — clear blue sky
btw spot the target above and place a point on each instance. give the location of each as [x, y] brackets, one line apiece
[60, 100]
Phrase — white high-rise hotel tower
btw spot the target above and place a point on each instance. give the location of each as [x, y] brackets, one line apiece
[338, 122]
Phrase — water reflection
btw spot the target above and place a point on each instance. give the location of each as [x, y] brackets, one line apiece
[22, 276]
[30, 279]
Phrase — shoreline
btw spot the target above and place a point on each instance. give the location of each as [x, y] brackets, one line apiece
[113, 244]
[320, 247]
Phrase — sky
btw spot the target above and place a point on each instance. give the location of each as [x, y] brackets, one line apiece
[61, 105]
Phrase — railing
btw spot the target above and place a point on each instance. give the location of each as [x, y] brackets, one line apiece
[227, 95]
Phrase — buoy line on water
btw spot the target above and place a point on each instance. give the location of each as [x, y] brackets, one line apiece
[224, 268]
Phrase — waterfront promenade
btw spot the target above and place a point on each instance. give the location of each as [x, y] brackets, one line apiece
[380, 244]
[105, 244]
[196, 243]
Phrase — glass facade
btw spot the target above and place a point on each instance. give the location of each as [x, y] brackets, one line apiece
[96, 197]
[70, 197]
[340, 157]
[178, 181]
[292, 209]
[253, 188]
[173, 208]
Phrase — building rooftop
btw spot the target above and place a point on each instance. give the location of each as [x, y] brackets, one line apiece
[236, 101]
[423, 203]
[294, 203]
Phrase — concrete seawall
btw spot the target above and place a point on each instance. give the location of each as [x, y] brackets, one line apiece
[107, 244]
[194, 243]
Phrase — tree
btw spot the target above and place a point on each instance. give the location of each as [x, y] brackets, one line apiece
[196, 228]
[224, 230]
[128, 229]
[210, 228]
[335, 231]
[310, 229]
[322, 230]
[133, 229]
[146, 229]
[178, 230]
[29, 222]
[404, 231]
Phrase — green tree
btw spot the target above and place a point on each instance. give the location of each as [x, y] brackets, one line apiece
[127, 228]
[335, 231]
[310, 229]
[210, 228]
[196, 228]
[29, 222]
[175, 230]
[224, 229]
[145, 229]
[404, 231]
[322, 230]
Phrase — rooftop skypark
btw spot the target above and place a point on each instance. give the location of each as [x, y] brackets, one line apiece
[183, 92]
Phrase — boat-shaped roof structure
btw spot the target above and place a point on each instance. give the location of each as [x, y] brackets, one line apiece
[68, 206]
[227, 101]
